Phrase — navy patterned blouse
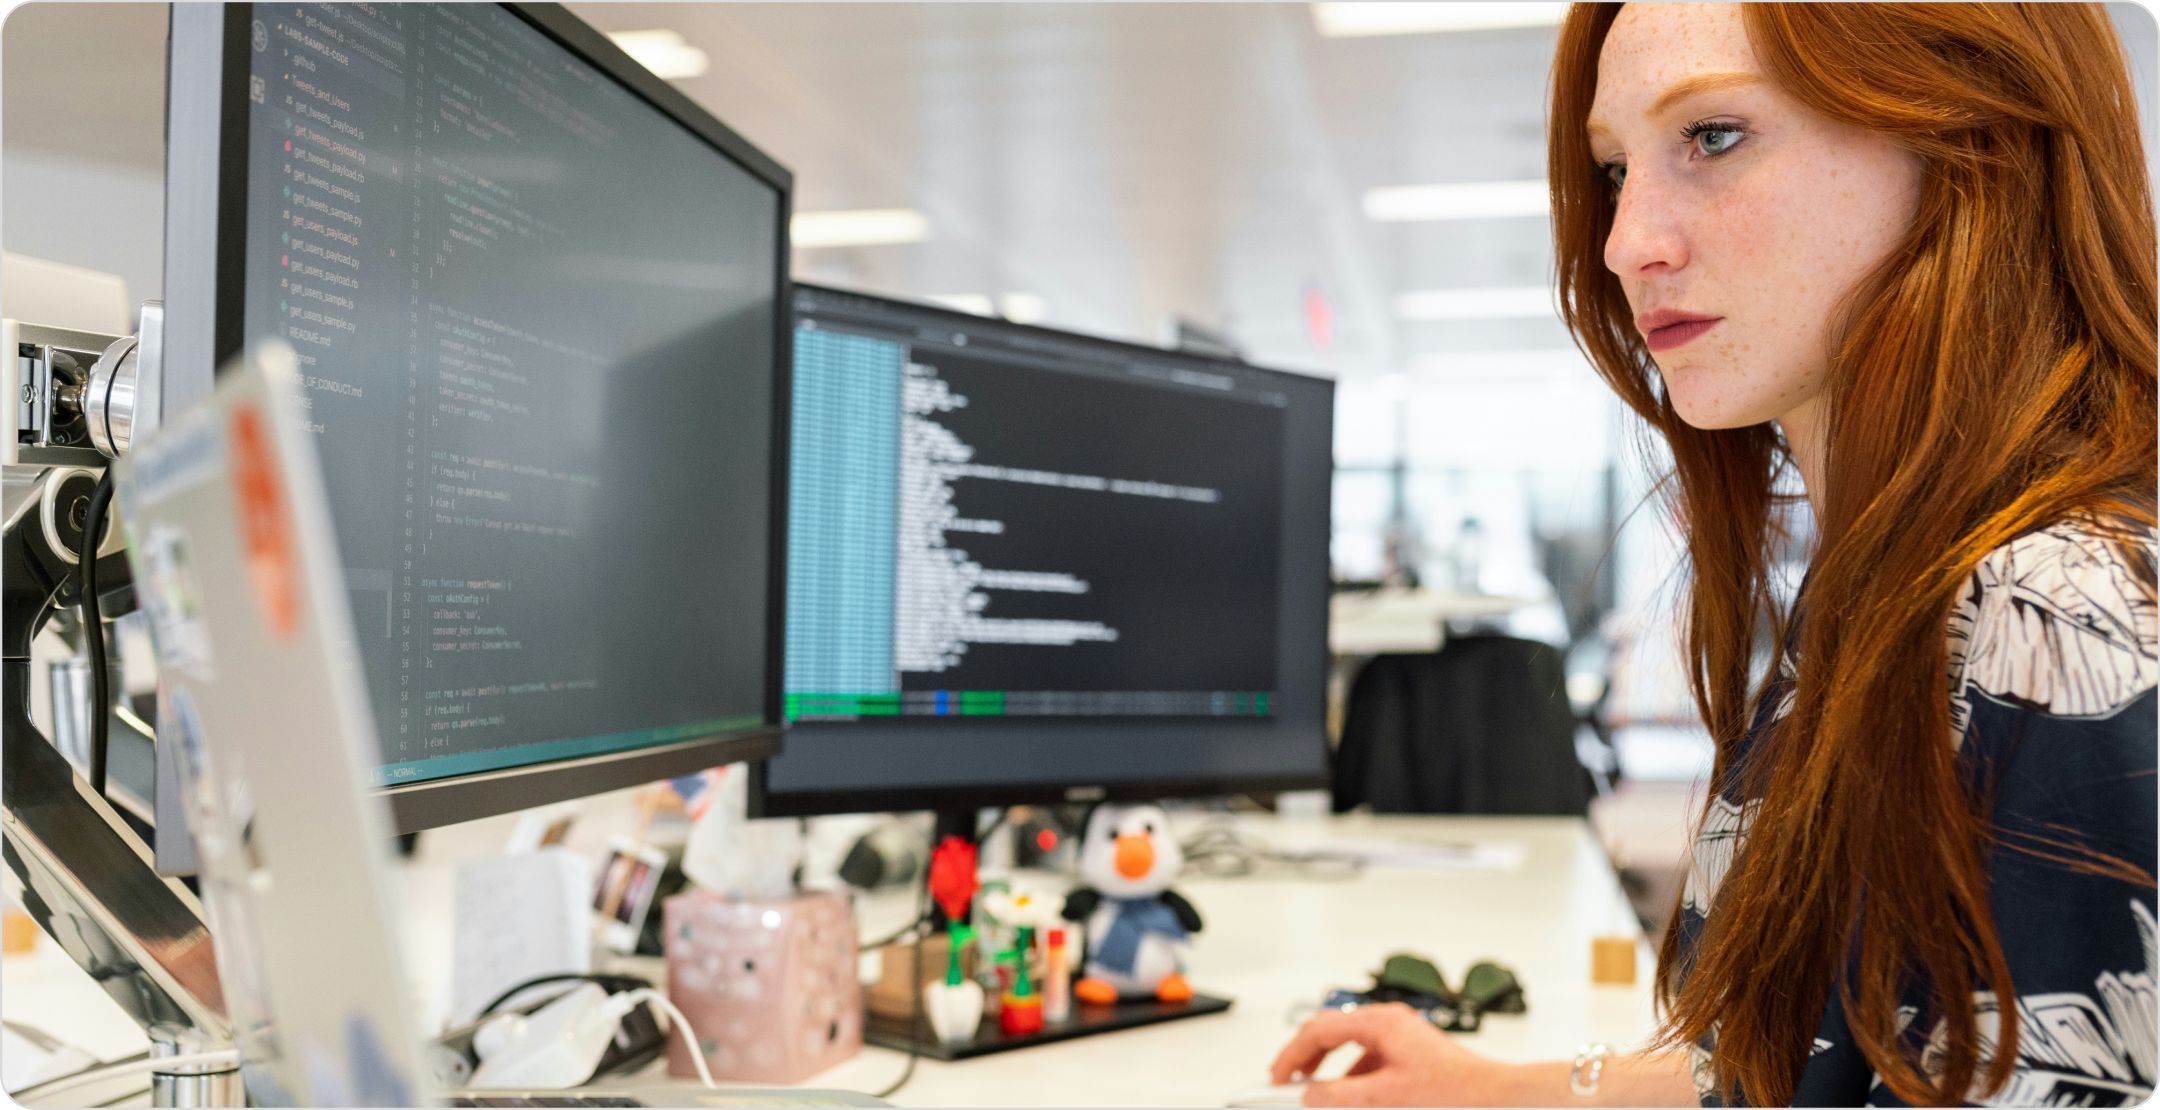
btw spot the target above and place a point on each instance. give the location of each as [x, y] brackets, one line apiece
[2054, 651]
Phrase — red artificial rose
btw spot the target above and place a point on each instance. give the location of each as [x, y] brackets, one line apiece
[952, 876]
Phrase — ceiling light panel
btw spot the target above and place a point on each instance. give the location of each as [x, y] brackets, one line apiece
[666, 53]
[1025, 308]
[861, 227]
[972, 303]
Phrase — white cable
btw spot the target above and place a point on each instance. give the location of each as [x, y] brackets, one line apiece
[690, 1037]
[150, 1064]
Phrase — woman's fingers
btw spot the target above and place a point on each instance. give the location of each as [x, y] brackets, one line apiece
[1365, 1090]
[1321, 1034]
[1370, 1026]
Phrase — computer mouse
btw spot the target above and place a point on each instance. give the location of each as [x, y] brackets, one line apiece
[1269, 1094]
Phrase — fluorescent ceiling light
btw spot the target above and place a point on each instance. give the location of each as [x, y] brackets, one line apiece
[1025, 308]
[1497, 303]
[664, 52]
[975, 303]
[861, 227]
[1337, 21]
[1473, 200]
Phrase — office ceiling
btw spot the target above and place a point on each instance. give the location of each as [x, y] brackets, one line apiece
[1129, 163]
[1126, 163]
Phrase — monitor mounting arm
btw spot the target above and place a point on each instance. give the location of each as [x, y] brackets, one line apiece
[87, 878]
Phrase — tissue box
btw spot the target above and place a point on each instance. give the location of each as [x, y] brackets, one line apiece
[770, 985]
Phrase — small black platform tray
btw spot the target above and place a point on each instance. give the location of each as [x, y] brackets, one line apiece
[1084, 1021]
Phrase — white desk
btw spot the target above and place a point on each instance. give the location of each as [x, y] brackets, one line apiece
[1404, 620]
[1271, 943]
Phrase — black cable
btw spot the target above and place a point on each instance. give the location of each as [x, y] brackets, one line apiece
[1221, 849]
[915, 1028]
[615, 984]
[923, 914]
[94, 631]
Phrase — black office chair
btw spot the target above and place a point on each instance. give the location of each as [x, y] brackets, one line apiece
[1481, 726]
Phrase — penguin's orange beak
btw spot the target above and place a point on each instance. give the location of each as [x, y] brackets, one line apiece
[1135, 855]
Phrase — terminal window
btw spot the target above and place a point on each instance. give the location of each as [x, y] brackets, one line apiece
[987, 521]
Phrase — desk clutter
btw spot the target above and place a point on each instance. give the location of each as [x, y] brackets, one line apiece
[765, 980]
[1000, 972]
[775, 988]
[767, 977]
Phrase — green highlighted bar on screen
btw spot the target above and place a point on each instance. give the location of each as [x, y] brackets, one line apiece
[799, 706]
[496, 759]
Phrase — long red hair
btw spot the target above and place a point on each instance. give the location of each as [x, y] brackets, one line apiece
[1995, 375]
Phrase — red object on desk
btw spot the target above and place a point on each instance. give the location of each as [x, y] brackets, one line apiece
[1020, 1016]
[952, 877]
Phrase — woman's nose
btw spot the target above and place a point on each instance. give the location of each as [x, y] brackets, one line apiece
[1646, 236]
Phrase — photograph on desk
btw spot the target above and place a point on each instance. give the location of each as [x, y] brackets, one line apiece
[1080, 554]
[624, 894]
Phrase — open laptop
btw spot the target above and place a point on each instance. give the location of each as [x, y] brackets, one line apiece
[231, 544]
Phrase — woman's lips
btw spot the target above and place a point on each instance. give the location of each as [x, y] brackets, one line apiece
[1673, 335]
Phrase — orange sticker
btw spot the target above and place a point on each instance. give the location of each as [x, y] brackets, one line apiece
[265, 525]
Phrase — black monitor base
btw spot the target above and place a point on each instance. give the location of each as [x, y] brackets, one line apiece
[898, 1032]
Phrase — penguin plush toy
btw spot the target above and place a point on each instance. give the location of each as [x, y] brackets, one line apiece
[1136, 925]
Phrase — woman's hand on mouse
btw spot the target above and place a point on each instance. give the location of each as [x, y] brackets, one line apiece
[1406, 1062]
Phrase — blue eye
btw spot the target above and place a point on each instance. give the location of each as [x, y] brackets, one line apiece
[1716, 142]
[1712, 138]
[1612, 174]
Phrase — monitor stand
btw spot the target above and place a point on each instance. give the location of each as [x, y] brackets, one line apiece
[911, 1034]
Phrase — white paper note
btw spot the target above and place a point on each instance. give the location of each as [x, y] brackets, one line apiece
[518, 917]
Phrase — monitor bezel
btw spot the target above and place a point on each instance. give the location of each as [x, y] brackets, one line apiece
[764, 801]
[206, 140]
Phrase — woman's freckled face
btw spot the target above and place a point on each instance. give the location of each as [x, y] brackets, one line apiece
[1741, 216]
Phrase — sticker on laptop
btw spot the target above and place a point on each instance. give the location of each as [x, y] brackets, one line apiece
[266, 523]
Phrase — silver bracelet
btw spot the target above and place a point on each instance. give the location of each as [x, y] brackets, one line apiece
[1582, 1078]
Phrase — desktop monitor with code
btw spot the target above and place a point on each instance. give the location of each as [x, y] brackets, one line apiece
[537, 298]
[1032, 566]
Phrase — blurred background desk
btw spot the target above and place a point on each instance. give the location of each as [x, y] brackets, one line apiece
[1398, 619]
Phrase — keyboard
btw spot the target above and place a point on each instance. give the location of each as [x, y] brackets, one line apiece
[549, 1100]
[720, 1098]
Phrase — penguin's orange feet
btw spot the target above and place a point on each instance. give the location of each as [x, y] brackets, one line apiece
[1174, 988]
[1094, 992]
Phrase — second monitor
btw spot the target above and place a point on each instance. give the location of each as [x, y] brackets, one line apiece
[1026, 565]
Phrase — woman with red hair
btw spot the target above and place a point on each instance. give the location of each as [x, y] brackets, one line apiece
[1901, 256]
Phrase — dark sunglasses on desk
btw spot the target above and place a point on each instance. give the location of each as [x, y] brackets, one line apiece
[1416, 982]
